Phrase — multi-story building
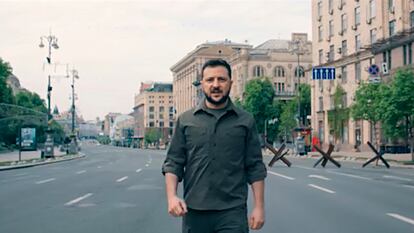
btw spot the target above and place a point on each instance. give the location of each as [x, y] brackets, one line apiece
[154, 109]
[346, 35]
[108, 122]
[283, 61]
[187, 71]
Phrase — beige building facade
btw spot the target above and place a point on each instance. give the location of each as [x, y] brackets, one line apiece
[154, 110]
[275, 59]
[346, 34]
[283, 61]
[187, 71]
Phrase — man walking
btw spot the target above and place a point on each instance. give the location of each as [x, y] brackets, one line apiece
[215, 150]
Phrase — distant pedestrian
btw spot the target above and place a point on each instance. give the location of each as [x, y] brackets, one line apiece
[216, 151]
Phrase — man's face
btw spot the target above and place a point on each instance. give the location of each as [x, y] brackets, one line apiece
[216, 84]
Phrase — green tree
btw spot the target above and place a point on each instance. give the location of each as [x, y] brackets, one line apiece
[339, 115]
[287, 119]
[368, 105]
[258, 101]
[31, 100]
[6, 94]
[152, 136]
[398, 107]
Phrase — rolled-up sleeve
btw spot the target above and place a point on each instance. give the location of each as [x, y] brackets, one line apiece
[176, 154]
[255, 168]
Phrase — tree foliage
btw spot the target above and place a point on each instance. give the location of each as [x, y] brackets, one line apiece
[152, 136]
[305, 101]
[6, 94]
[339, 115]
[258, 101]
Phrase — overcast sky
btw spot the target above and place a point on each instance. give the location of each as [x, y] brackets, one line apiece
[116, 45]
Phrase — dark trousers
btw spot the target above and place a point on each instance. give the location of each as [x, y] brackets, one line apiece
[232, 220]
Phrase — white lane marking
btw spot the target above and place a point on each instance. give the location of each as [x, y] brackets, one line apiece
[319, 177]
[408, 186]
[350, 175]
[308, 168]
[138, 170]
[146, 165]
[78, 199]
[122, 179]
[45, 181]
[280, 175]
[397, 178]
[320, 188]
[402, 218]
[80, 172]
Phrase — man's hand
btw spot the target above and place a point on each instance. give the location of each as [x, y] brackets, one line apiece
[176, 207]
[257, 218]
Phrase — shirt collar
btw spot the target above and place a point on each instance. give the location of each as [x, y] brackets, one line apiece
[228, 108]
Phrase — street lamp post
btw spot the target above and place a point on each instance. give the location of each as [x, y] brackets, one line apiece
[51, 43]
[298, 47]
[74, 145]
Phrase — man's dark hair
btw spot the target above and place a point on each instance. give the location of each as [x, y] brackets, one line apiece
[215, 63]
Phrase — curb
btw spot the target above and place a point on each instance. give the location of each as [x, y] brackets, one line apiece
[11, 167]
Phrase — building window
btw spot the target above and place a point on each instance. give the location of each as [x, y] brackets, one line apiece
[151, 116]
[331, 53]
[387, 58]
[320, 103]
[357, 43]
[161, 108]
[320, 33]
[258, 71]
[410, 53]
[412, 19]
[319, 9]
[391, 5]
[357, 12]
[331, 102]
[331, 28]
[373, 35]
[344, 74]
[299, 72]
[372, 9]
[358, 71]
[320, 56]
[161, 124]
[171, 124]
[344, 48]
[404, 54]
[151, 124]
[151, 109]
[344, 100]
[392, 27]
[283, 87]
[279, 72]
[330, 6]
[161, 116]
[344, 24]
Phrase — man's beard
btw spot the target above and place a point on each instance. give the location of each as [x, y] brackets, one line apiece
[220, 101]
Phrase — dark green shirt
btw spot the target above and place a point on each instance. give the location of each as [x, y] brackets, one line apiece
[216, 157]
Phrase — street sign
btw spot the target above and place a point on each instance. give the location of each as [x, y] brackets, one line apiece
[324, 73]
[373, 70]
[375, 79]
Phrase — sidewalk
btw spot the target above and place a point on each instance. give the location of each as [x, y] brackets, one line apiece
[26, 155]
[10, 160]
